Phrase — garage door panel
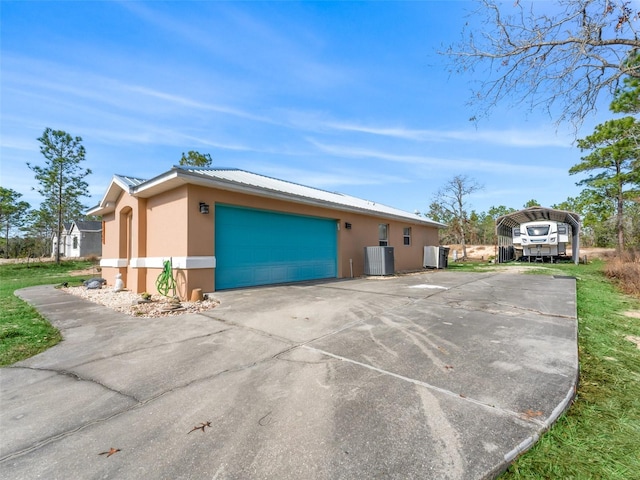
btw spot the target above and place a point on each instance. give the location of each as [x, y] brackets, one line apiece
[258, 247]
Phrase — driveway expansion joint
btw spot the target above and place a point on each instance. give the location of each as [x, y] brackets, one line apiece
[504, 411]
[150, 347]
[76, 377]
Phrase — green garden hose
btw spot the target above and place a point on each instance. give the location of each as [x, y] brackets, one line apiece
[165, 281]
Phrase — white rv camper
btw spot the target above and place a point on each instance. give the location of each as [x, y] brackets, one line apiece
[542, 240]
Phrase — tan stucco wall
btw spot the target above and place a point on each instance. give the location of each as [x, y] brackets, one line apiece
[200, 234]
[125, 238]
[110, 235]
[364, 232]
[170, 225]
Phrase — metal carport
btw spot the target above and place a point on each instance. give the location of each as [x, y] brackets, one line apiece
[505, 224]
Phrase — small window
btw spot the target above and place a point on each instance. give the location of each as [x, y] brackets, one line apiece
[516, 231]
[75, 242]
[383, 234]
[406, 235]
[562, 229]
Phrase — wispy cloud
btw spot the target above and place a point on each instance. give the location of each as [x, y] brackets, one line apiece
[47, 78]
[330, 178]
[454, 164]
[289, 50]
[510, 137]
[190, 103]
[18, 143]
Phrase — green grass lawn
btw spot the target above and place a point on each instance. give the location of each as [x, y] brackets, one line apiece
[23, 332]
[599, 436]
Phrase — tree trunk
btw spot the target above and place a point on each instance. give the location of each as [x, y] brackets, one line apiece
[59, 217]
[462, 220]
[463, 240]
[620, 223]
[6, 253]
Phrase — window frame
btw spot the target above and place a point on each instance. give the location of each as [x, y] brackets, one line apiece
[406, 236]
[383, 240]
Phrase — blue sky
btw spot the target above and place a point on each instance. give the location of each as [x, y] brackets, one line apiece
[348, 96]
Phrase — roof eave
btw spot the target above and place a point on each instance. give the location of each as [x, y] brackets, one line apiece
[232, 186]
[108, 202]
[177, 177]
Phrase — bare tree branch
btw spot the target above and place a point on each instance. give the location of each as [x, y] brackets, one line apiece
[556, 56]
[452, 198]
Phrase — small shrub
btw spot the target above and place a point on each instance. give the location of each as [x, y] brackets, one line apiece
[93, 259]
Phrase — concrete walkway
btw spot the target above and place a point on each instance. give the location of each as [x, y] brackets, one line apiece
[439, 375]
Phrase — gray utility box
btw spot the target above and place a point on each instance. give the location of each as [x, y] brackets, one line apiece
[436, 257]
[378, 261]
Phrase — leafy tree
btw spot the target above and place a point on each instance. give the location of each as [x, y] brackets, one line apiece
[474, 228]
[549, 54]
[489, 222]
[39, 228]
[196, 159]
[452, 199]
[62, 178]
[613, 159]
[627, 98]
[633, 228]
[12, 213]
[596, 212]
[495, 212]
[531, 203]
[437, 213]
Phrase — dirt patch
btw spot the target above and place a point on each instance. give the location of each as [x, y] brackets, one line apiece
[487, 252]
[87, 272]
[633, 339]
[5, 261]
[474, 252]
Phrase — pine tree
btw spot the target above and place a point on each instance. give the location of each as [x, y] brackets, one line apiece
[12, 213]
[196, 159]
[61, 180]
[613, 162]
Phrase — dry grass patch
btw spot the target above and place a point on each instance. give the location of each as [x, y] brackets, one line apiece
[624, 269]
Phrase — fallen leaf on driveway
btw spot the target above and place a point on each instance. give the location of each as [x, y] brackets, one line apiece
[202, 426]
[110, 452]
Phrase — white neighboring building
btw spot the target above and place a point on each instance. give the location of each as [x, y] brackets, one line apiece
[81, 238]
[64, 245]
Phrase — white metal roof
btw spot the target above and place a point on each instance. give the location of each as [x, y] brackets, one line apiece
[247, 182]
[130, 181]
[302, 191]
[531, 214]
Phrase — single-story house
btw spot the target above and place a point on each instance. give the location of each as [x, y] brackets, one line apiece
[226, 228]
[64, 245]
[80, 238]
[85, 239]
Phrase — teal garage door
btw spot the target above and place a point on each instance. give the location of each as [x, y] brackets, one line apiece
[260, 247]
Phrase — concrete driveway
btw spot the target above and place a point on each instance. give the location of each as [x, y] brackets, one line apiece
[439, 375]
